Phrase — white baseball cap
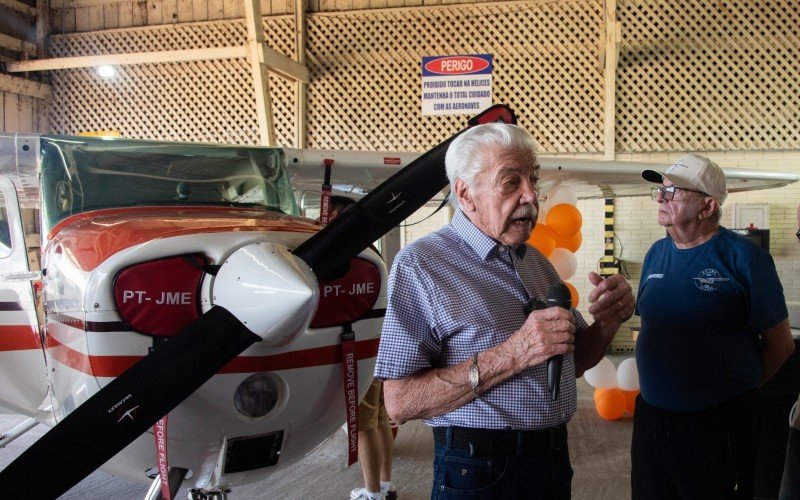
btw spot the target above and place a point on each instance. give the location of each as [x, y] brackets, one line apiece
[694, 172]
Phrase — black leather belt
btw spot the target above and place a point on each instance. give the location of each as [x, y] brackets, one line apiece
[502, 443]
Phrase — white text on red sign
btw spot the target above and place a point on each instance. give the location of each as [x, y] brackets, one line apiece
[168, 298]
[356, 289]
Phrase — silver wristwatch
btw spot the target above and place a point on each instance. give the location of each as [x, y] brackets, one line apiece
[474, 375]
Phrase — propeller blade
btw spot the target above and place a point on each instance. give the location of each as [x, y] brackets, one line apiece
[127, 407]
[329, 250]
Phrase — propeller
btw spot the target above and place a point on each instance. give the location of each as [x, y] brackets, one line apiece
[130, 404]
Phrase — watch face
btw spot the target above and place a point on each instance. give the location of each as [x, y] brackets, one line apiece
[473, 376]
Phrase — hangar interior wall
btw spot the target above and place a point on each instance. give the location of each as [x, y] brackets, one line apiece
[22, 113]
[720, 78]
[22, 101]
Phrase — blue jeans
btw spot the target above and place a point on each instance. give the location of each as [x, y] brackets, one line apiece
[546, 476]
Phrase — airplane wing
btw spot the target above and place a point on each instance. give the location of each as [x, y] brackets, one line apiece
[352, 172]
[357, 172]
[606, 179]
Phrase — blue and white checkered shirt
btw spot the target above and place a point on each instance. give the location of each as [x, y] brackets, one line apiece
[456, 292]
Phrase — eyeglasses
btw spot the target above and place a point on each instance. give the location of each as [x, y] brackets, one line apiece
[669, 192]
[797, 234]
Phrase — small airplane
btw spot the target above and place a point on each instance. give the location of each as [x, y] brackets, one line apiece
[186, 327]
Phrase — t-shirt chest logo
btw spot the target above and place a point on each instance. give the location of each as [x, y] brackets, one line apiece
[709, 280]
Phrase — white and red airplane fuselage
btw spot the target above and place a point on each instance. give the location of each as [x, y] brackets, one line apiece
[117, 281]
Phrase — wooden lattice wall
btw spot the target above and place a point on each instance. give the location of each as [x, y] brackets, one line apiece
[701, 76]
[545, 56]
[202, 101]
[365, 73]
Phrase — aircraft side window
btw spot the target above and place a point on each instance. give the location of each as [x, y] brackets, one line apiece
[277, 190]
[62, 190]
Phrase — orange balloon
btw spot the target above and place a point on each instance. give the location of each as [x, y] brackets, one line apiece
[630, 400]
[573, 293]
[564, 219]
[542, 239]
[571, 243]
[610, 403]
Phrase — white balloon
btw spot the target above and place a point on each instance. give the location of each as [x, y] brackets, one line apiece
[628, 375]
[602, 376]
[562, 194]
[565, 263]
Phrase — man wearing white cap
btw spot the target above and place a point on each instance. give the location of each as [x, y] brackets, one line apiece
[714, 326]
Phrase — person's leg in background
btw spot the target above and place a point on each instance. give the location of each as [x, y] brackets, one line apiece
[386, 448]
[374, 439]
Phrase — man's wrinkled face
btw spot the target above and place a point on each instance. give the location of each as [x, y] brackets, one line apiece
[503, 200]
[682, 210]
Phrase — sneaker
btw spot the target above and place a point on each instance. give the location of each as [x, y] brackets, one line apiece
[391, 494]
[363, 494]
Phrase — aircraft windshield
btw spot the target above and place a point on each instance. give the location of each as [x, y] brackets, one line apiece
[82, 174]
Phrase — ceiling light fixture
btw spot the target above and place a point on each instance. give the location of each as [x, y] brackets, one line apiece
[106, 71]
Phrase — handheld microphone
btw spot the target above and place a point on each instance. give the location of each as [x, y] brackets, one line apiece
[557, 296]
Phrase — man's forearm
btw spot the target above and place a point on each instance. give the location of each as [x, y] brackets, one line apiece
[778, 346]
[442, 390]
[428, 393]
[591, 344]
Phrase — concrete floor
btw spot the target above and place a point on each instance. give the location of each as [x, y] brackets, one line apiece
[599, 451]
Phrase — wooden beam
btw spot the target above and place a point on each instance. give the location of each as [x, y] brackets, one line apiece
[163, 56]
[25, 87]
[282, 65]
[19, 7]
[301, 95]
[258, 56]
[75, 4]
[611, 52]
[42, 25]
[17, 45]
[276, 62]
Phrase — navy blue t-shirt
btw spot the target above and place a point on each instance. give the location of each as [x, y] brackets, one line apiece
[702, 312]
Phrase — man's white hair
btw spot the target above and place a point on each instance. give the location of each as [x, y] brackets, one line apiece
[466, 155]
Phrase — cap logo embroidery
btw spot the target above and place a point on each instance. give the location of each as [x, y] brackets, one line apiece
[709, 280]
[675, 167]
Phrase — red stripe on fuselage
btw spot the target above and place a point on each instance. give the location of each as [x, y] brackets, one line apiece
[19, 338]
[68, 356]
[114, 366]
[306, 358]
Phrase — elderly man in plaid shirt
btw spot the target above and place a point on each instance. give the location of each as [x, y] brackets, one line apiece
[460, 347]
